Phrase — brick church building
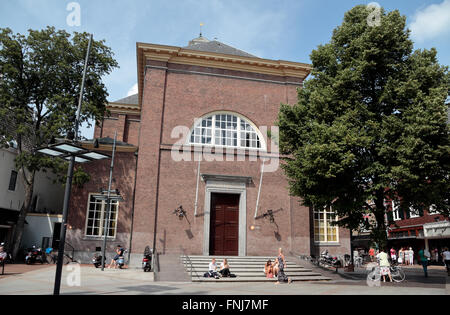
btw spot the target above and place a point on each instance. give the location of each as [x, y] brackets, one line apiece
[200, 134]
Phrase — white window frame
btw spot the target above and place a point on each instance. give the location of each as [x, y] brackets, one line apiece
[395, 211]
[102, 218]
[198, 122]
[432, 210]
[413, 213]
[325, 221]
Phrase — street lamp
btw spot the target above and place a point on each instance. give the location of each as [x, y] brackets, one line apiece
[66, 150]
[73, 153]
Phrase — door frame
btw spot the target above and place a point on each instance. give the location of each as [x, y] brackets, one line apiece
[220, 187]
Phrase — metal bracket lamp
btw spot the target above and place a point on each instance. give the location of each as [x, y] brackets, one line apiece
[180, 212]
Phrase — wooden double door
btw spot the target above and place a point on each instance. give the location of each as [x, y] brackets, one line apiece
[224, 232]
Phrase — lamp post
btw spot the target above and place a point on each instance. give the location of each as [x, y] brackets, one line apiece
[74, 153]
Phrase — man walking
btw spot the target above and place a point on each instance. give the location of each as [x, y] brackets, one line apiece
[423, 257]
[446, 257]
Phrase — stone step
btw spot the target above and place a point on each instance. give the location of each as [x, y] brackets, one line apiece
[260, 274]
[248, 261]
[244, 269]
[259, 279]
[231, 257]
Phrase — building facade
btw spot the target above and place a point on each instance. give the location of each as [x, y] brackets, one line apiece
[418, 228]
[197, 161]
[44, 218]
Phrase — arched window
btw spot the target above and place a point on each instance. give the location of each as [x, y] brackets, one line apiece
[227, 129]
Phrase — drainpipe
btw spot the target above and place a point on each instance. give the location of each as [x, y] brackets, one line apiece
[259, 189]
[196, 191]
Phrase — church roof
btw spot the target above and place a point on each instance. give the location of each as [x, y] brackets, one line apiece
[129, 100]
[203, 44]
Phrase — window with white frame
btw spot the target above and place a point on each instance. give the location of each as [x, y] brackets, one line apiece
[395, 211]
[433, 210]
[96, 215]
[324, 230]
[413, 213]
[226, 129]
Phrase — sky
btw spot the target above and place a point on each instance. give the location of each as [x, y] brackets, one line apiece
[272, 29]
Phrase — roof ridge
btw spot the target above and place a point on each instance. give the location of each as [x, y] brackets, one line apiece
[203, 44]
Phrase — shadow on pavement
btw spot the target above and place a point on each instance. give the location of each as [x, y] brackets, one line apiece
[148, 288]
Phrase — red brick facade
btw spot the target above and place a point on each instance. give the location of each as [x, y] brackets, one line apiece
[175, 94]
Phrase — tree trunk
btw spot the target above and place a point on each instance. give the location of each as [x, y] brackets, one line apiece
[20, 226]
[379, 232]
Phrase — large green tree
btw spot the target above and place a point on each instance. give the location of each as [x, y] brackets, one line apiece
[40, 82]
[370, 124]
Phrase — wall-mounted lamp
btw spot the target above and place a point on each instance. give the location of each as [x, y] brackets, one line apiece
[180, 212]
[270, 215]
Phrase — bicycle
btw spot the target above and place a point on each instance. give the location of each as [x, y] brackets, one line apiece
[397, 273]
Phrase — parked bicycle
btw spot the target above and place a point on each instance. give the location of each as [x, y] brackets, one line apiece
[397, 273]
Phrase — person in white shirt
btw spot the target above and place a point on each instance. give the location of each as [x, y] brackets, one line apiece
[383, 262]
[411, 256]
[212, 269]
[446, 257]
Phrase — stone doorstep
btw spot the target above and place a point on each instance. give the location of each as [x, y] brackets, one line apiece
[259, 274]
[247, 279]
[247, 269]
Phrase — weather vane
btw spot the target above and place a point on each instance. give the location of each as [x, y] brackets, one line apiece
[201, 25]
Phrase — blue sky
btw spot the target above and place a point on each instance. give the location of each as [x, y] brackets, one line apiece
[273, 29]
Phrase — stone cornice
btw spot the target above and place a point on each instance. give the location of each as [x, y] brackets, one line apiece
[226, 178]
[108, 147]
[124, 109]
[178, 55]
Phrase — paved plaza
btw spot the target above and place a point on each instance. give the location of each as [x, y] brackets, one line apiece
[38, 280]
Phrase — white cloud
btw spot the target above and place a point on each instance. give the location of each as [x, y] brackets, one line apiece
[431, 22]
[133, 90]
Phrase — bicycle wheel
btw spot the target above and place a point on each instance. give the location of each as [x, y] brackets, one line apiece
[397, 274]
[374, 275]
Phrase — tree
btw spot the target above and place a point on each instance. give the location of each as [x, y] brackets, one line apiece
[370, 125]
[39, 91]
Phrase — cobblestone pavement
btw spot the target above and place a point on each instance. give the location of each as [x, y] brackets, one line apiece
[18, 269]
[437, 276]
[133, 281]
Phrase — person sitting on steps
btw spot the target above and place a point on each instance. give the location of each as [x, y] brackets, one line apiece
[212, 269]
[225, 268]
[269, 269]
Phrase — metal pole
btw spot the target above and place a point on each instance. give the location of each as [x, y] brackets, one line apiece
[108, 204]
[62, 238]
[196, 189]
[259, 189]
